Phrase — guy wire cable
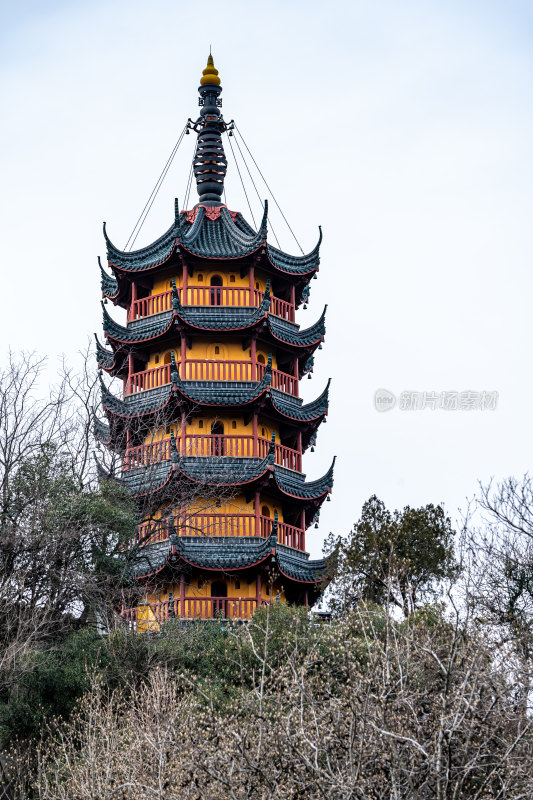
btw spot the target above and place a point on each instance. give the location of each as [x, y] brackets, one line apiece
[269, 189]
[154, 192]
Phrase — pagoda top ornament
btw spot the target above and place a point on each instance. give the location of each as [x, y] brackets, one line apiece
[210, 74]
[210, 163]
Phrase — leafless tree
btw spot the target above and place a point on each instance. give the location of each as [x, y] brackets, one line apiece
[372, 709]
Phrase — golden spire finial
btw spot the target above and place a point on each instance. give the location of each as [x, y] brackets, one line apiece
[210, 74]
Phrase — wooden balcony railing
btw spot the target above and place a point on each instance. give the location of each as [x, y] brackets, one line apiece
[201, 524]
[148, 617]
[209, 296]
[212, 445]
[210, 370]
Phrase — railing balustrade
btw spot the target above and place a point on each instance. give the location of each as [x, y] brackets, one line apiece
[211, 524]
[210, 370]
[212, 445]
[209, 296]
[150, 616]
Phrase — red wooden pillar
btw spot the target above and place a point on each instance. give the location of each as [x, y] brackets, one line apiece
[183, 433]
[299, 449]
[254, 434]
[293, 302]
[128, 445]
[130, 372]
[183, 356]
[133, 300]
[257, 510]
[252, 285]
[302, 526]
[253, 356]
[182, 596]
[258, 589]
[296, 374]
[185, 285]
[306, 598]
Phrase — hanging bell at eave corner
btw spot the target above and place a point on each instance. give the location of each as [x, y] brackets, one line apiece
[312, 449]
[316, 525]
[305, 306]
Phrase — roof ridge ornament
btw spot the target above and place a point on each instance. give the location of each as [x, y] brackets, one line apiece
[209, 163]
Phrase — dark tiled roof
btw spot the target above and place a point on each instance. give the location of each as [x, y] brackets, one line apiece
[101, 431]
[228, 553]
[136, 405]
[147, 480]
[105, 358]
[298, 566]
[220, 317]
[220, 238]
[216, 393]
[290, 333]
[145, 258]
[293, 408]
[295, 265]
[224, 552]
[141, 331]
[294, 484]
[108, 282]
[226, 471]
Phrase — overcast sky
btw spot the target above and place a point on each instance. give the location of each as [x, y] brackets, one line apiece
[403, 128]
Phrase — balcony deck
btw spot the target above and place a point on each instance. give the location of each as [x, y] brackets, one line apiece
[212, 524]
[209, 370]
[212, 445]
[205, 296]
[149, 617]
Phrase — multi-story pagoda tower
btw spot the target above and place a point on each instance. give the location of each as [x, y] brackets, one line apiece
[210, 429]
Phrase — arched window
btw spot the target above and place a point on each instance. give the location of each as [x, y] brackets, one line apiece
[167, 358]
[215, 295]
[261, 359]
[265, 511]
[217, 441]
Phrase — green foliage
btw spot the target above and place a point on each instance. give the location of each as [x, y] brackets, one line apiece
[391, 558]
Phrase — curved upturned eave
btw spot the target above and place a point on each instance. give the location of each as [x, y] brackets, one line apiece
[105, 358]
[209, 553]
[177, 551]
[102, 431]
[151, 328]
[308, 490]
[240, 472]
[146, 258]
[314, 567]
[108, 283]
[308, 337]
[305, 413]
[295, 265]
[140, 405]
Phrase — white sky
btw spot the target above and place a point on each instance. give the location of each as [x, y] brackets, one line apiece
[403, 128]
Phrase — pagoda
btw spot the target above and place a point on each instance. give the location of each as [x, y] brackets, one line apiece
[210, 429]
